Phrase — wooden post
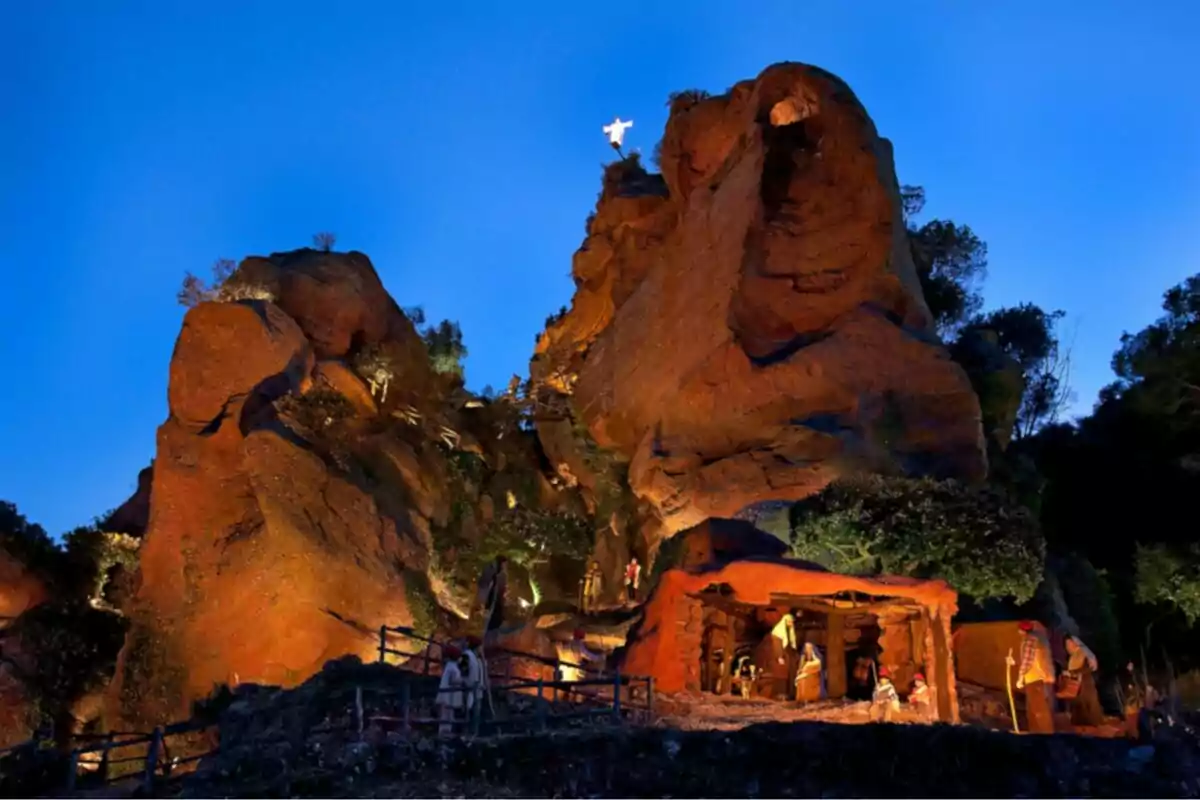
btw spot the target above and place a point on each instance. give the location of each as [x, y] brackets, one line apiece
[725, 682]
[428, 655]
[616, 705]
[406, 701]
[358, 712]
[835, 655]
[383, 644]
[152, 761]
[650, 699]
[72, 772]
[105, 756]
[541, 706]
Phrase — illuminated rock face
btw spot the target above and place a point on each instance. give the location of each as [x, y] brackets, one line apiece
[261, 560]
[749, 324]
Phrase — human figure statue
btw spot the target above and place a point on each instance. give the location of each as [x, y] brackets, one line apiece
[884, 700]
[1080, 674]
[1035, 674]
[810, 677]
[450, 700]
[633, 574]
[616, 133]
[745, 672]
[776, 656]
[920, 698]
[493, 590]
[592, 585]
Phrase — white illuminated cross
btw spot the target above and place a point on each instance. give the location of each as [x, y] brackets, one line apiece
[616, 131]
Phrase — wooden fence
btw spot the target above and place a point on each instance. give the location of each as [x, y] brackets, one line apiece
[612, 699]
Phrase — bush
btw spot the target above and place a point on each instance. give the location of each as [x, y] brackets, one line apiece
[92, 553]
[686, 98]
[421, 603]
[28, 543]
[222, 289]
[74, 648]
[316, 410]
[923, 528]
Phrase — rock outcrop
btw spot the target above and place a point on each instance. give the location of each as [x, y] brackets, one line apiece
[294, 509]
[748, 324]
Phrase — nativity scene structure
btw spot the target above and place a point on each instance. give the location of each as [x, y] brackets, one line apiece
[700, 622]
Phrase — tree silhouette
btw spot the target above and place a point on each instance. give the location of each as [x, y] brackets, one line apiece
[324, 241]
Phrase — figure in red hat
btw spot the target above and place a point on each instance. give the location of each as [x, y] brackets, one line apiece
[884, 700]
[1035, 674]
[576, 656]
[920, 698]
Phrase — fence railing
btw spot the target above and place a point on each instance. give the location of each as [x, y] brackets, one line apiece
[598, 696]
[629, 696]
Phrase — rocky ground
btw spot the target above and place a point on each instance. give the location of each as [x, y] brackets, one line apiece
[771, 759]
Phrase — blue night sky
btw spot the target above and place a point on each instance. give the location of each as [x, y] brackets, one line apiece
[459, 144]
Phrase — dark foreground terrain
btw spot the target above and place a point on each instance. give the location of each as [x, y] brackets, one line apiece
[768, 760]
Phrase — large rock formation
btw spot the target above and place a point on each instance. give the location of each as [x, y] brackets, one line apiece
[748, 324]
[293, 510]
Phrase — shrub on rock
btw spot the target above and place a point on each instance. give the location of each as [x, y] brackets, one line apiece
[976, 539]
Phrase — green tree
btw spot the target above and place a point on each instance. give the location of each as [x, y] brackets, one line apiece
[923, 528]
[1028, 335]
[28, 542]
[1159, 367]
[1171, 577]
[444, 342]
[951, 264]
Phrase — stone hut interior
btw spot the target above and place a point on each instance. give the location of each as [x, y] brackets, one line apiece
[705, 625]
[855, 635]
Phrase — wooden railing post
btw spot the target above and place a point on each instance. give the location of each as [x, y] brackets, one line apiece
[105, 756]
[650, 699]
[152, 761]
[541, 707]
[383, 644]
[617, 695]
[428, 656]
[406, 702]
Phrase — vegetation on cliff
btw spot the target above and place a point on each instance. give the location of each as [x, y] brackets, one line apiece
[922, 528]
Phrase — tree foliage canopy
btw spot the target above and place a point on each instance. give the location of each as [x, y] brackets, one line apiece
[923, 528]
[1170, 576]
[444, 341]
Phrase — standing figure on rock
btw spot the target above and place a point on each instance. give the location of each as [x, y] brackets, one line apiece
[493, 591]
[592, 582]
[450, 700]
[633, 574]
[884, 700]
[810, 677]
[776, 657]
[1081, 668]
[921, 699]
[1035, 674]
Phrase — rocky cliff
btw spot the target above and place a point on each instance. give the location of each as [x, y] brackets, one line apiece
[748, 324]
[315, 479]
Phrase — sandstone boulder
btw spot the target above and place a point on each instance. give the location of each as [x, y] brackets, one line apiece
[750, 325]
[267, 552]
